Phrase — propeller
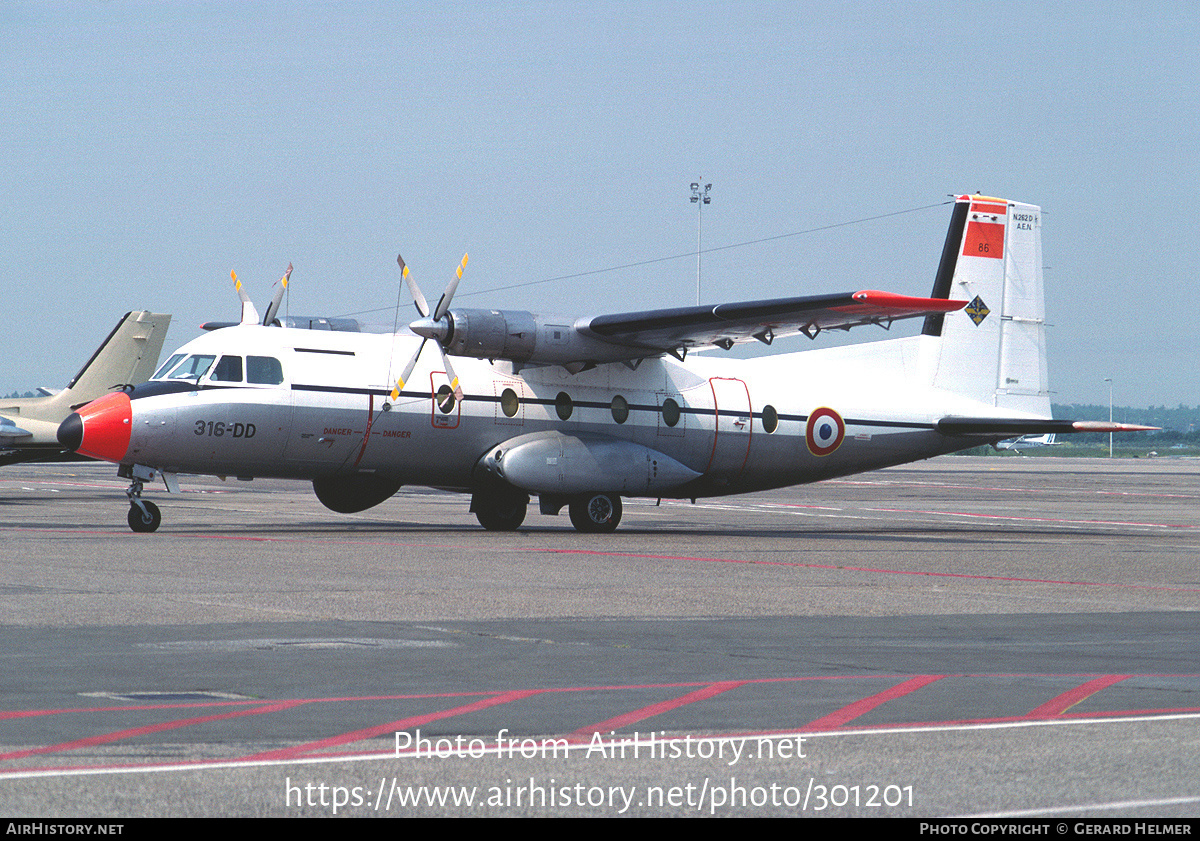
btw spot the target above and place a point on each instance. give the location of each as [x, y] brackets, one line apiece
[435, 326]
[249, 311]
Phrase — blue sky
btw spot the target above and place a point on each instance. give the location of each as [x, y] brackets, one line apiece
[149, 148]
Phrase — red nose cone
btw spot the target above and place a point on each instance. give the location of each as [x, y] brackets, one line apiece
[106, 424]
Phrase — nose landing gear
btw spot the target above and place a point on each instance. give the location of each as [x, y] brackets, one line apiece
[144, 516]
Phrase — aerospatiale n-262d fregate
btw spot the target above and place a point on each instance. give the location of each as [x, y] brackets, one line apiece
[583, 412]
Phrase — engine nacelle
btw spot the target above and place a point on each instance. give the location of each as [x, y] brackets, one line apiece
[554, 463]
[521, 337]
[492, 334]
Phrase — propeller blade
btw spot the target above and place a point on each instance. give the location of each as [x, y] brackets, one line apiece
[453, 377]
[414, 290]
[249, 313]
[444, 303]
[273, 309]
[407, 372]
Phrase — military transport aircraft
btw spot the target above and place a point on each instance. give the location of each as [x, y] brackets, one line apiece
[29, 425]
[583, 412]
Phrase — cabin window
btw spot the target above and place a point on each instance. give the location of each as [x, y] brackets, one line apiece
[228, 370]
[564, 406]
[192, 368]
[620, 409]
[445, 400]
[670, 412]
[263, 370]
[509, 403]
[770, 418]
[168, 365]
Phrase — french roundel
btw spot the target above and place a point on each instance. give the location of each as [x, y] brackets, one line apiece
[824, 432]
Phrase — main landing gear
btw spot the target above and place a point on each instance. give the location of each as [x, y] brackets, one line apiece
[503, 508]
[595, 513]
[500, 509]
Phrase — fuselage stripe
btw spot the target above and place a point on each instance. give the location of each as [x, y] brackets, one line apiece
[595, 404]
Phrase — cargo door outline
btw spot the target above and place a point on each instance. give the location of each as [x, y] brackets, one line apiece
[732, 427]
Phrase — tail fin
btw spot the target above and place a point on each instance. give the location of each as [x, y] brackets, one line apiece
[994, 351]
[127, 357]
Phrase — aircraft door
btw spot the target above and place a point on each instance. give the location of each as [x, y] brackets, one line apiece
[331, 409]
[731, 427]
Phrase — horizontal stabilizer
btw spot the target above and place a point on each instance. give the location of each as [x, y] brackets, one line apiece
[1013, 427]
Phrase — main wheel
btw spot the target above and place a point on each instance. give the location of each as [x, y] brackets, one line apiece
[147, 521]
[501, 511]
[595, 513]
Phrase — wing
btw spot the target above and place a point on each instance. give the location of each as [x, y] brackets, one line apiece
[528, 338]
[724, 325]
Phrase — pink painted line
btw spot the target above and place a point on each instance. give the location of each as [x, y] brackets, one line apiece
[1055, 490]
[1145, 712]
[308, 748]
[852, 711]
[108, 738]
[418, 696]
[659, 708]
[200, 763]
[1018, 719]
[1060, 704]
[683, 558]
[866, 569]
[1010, 517]
[488, 693]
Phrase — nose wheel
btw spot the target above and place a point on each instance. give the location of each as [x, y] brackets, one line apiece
[144, 515]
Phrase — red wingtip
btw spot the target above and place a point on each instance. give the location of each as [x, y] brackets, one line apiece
[900, 303]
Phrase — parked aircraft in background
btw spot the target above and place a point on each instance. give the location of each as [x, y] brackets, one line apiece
[1027, 442]
[583, 412]
[29, 425]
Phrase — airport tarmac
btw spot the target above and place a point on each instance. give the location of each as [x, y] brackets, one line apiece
[963, 636]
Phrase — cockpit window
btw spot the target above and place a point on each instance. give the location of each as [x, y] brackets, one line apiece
[228, 370]
[192, 368]
[168, 365]
[264, 370]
